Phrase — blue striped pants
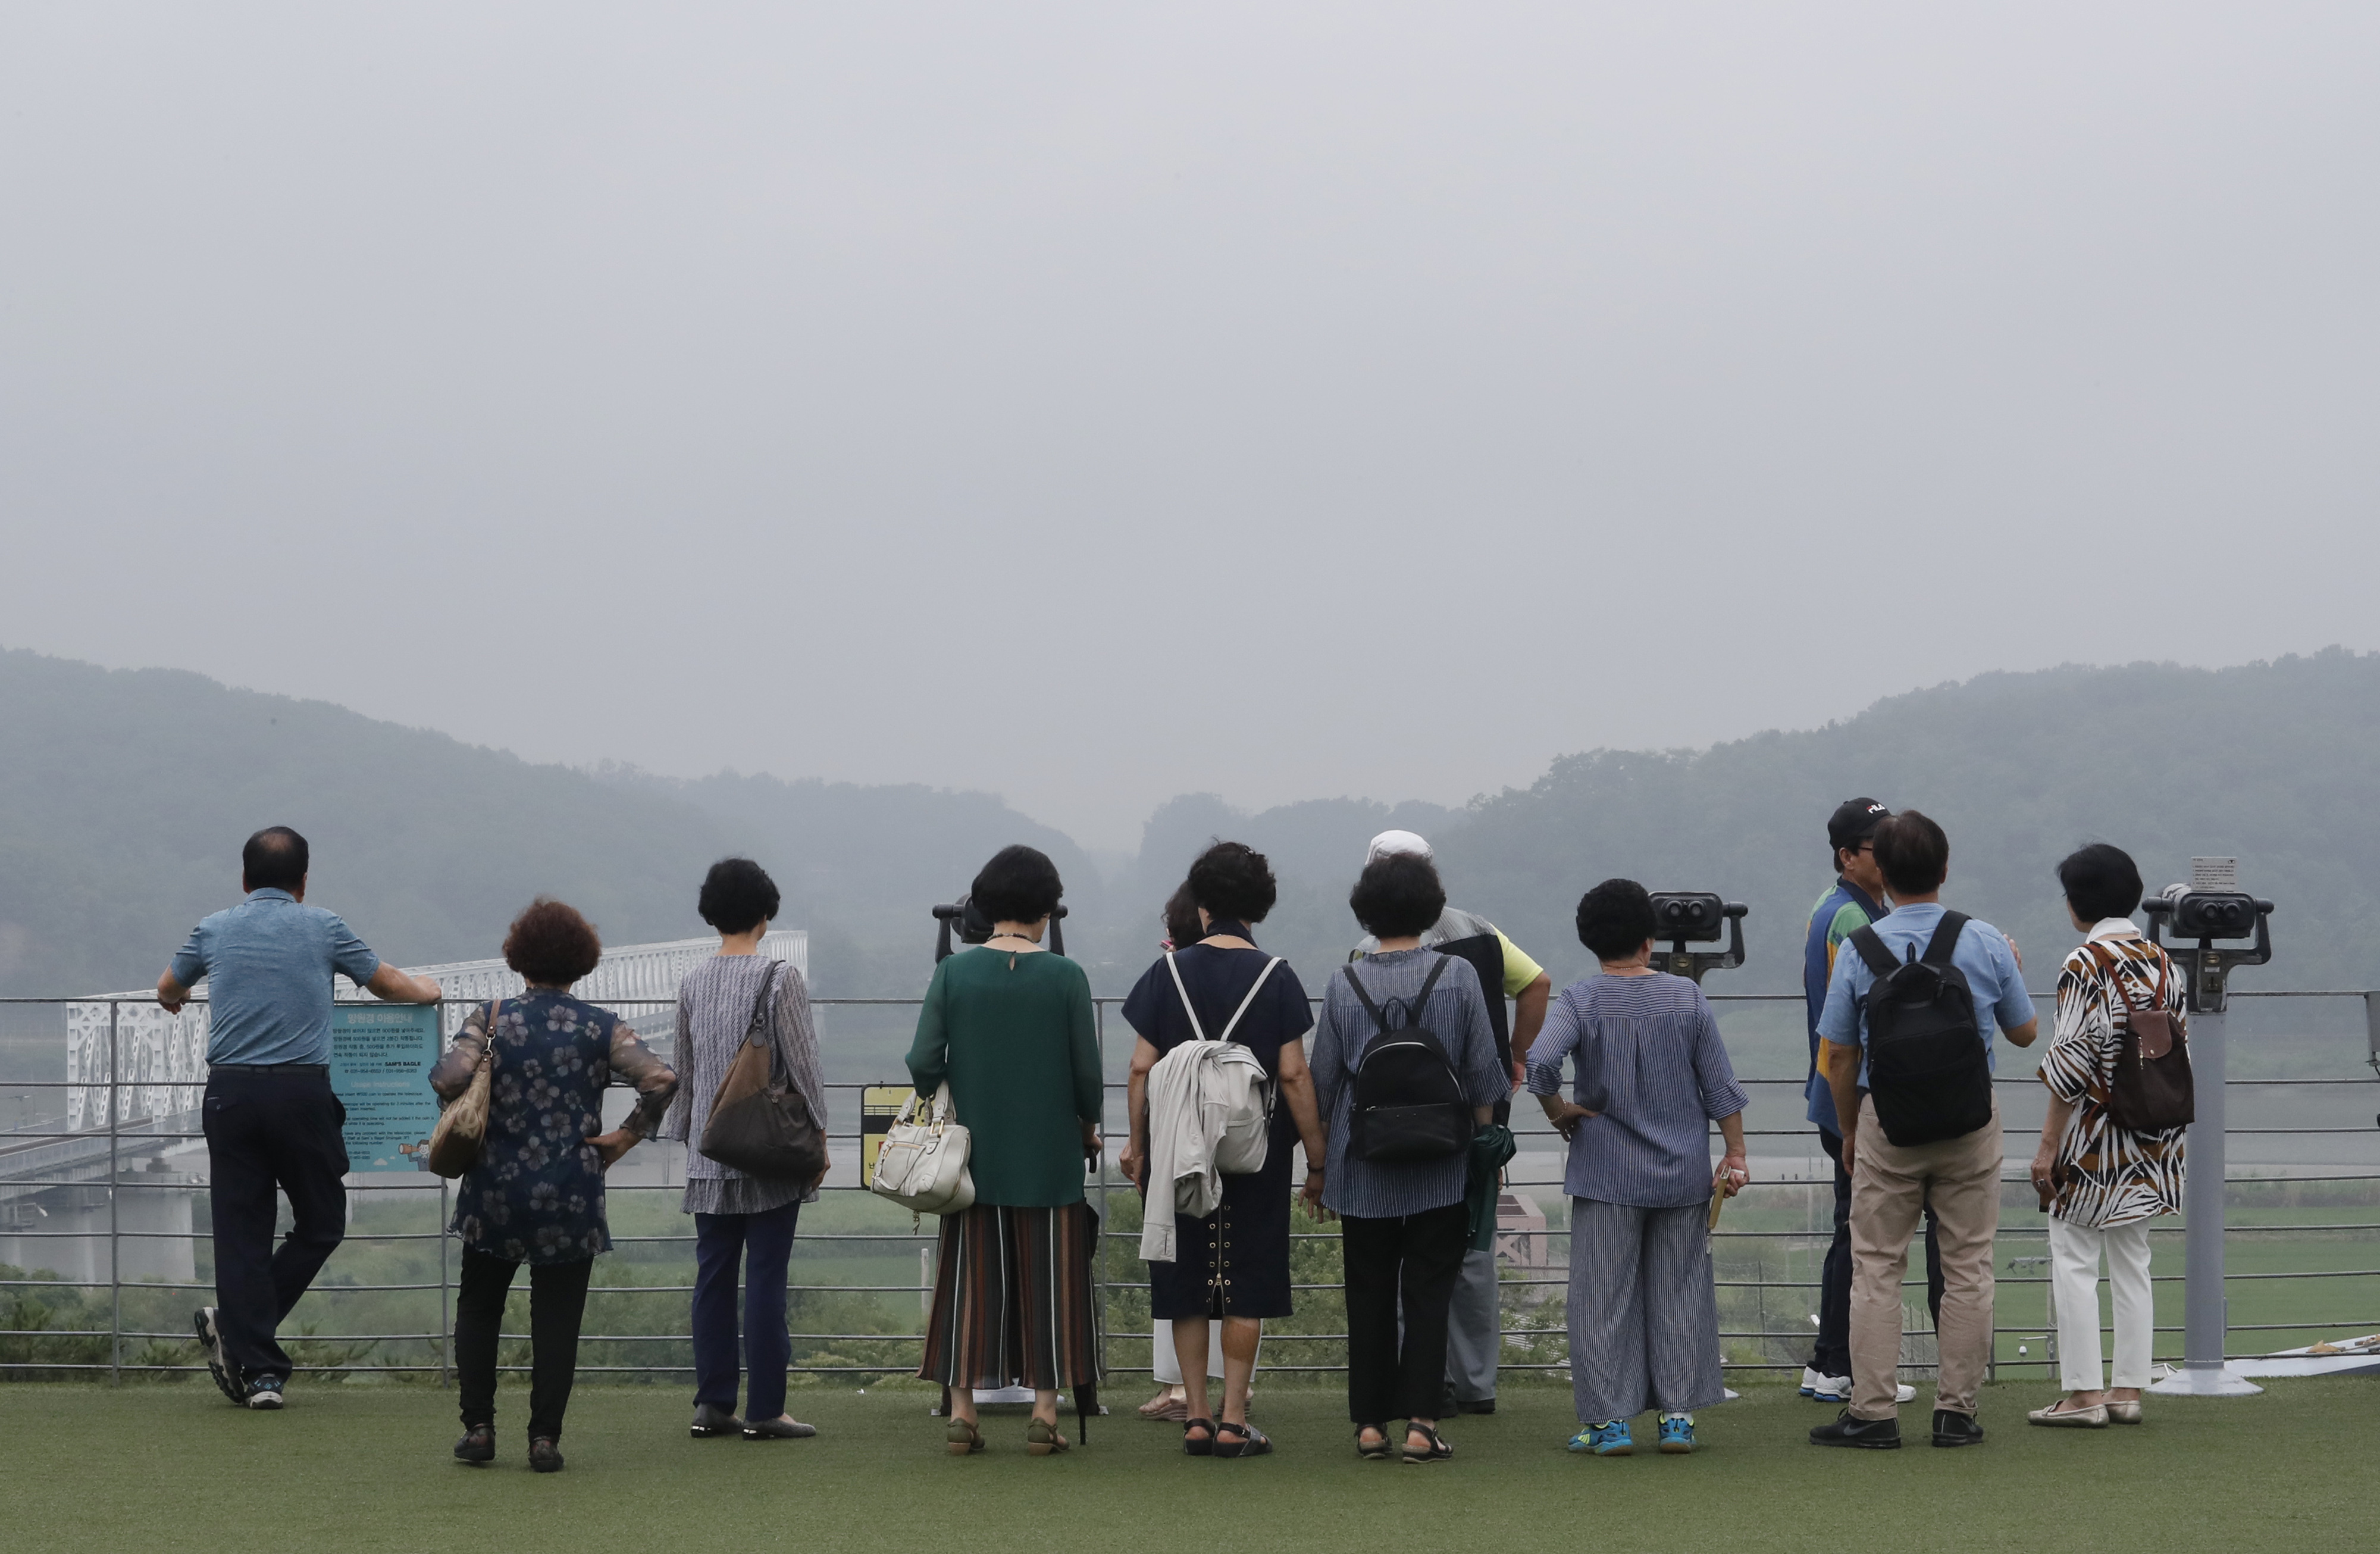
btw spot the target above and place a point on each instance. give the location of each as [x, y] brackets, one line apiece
[1644, 1314]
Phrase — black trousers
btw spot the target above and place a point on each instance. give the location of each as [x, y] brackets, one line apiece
[557, 1300]
[266, 1132]
[1413, 1260]
[1831, 1355]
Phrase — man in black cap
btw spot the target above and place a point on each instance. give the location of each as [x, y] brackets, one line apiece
[1854, 900]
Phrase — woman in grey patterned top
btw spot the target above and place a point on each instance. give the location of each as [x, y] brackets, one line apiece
[1403, 1225]
[739, 1217]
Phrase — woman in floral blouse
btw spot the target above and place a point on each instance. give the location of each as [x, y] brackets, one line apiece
[535, 1195]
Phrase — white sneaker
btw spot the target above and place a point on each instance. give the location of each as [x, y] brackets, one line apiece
[1837, 1390]
[1810, 1379]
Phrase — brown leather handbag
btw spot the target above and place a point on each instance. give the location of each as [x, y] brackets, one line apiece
[757, 1128]
[461, 1136]
[2152, 1090]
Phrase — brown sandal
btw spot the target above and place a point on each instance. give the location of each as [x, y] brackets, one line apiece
[963, 1437]
[1043, 1439]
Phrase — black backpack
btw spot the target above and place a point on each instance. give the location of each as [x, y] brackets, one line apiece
[1408, 1103]
[1927, 1068]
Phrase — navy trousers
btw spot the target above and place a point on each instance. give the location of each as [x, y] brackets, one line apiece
[268, 1131]
[764, 1244]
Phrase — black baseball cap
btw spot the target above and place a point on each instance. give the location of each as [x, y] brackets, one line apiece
[1854, 822]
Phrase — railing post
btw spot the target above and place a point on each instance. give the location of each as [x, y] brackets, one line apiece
[1099, 1295]
[446, 1323]
[114, 1261]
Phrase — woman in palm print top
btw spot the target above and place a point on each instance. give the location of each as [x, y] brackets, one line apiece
[535, 1195]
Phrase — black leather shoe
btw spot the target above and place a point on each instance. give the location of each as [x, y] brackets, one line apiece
[710, 1420]
[544, 1455]
[1956, 1429]
[1876, 1434]
[1475, 1405]
[478, 1445]
[784, 1428]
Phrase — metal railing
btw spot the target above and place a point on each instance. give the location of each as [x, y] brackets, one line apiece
[35, 1162]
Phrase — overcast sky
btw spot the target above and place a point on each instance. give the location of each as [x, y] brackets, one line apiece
[1094, 403]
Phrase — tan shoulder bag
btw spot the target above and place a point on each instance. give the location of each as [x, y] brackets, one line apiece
[462, 1132]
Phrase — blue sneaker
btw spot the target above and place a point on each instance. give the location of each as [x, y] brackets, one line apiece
[1677, 1434]
[1607, 1440]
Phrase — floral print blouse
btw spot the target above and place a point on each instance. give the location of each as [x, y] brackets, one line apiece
[537, 1193]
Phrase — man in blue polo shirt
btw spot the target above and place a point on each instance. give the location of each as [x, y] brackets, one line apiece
[1855, 900]
[270, 1116]
[1892, 1182]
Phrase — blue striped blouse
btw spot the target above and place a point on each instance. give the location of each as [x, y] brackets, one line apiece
[1650, 1061]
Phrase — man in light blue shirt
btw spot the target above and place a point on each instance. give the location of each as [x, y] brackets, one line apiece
[270, 1120]
[1890, 1183]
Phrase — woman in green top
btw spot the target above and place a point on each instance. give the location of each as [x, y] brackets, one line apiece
[1008, 1026]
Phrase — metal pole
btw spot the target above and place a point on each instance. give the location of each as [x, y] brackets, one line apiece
[1099, 1300]
[446, 1323]
[115, 1263]
[2205, 1327]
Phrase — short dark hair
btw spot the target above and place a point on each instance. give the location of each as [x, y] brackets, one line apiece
[1232, 879]
[274, 859]
[1182, 917]
[1616, 918]
[737, 896]
[1913, 853]
[2101, 882]
[1020, 884]
[1396, 896]
[551, 945]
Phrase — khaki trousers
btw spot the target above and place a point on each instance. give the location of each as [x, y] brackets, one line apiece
[1888, 1192]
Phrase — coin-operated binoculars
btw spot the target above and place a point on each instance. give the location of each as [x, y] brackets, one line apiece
[2209, 909]
[1685, 917]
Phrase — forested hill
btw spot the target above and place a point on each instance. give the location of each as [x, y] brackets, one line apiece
[2278, 764]
[124, 796]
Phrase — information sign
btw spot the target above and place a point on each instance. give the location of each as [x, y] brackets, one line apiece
[879, 1104]
[381, 1056]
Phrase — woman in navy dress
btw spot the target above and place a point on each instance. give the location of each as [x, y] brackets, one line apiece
[1234, 1264]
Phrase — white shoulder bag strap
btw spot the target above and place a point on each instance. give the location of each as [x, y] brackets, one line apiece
[1271, 1086]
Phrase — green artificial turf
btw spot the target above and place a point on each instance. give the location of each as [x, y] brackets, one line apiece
[352, 1467]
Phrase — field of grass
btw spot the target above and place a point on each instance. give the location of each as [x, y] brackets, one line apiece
[366, 1468]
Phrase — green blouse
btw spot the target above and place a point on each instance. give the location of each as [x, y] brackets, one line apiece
[1014, 1036]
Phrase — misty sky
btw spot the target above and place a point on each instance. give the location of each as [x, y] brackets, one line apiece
[1095, 403]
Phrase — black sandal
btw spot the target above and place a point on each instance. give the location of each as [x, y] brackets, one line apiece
[1380, 1453]
[1438, 1450]
[1205, 1448]
[1252, 1442]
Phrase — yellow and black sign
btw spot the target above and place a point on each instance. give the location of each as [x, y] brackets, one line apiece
[879, 1104]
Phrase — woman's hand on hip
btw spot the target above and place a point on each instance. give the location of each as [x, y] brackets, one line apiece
[610, 1146]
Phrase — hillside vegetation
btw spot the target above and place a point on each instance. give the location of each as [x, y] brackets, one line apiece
[124, 796]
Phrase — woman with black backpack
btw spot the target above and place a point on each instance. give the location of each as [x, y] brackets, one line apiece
[1404, 1062]
[2118, 1071]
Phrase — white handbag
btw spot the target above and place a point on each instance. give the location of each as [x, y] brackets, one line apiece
[922, 1164]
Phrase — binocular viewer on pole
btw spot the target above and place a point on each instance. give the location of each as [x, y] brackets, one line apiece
[2206, 916]
[975, 927]
[1685, 917]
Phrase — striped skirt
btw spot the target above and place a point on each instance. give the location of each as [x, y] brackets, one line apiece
[1012, 1300]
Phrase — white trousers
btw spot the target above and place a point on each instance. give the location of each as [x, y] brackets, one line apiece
[2074, 1285]
[1169, 1365]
